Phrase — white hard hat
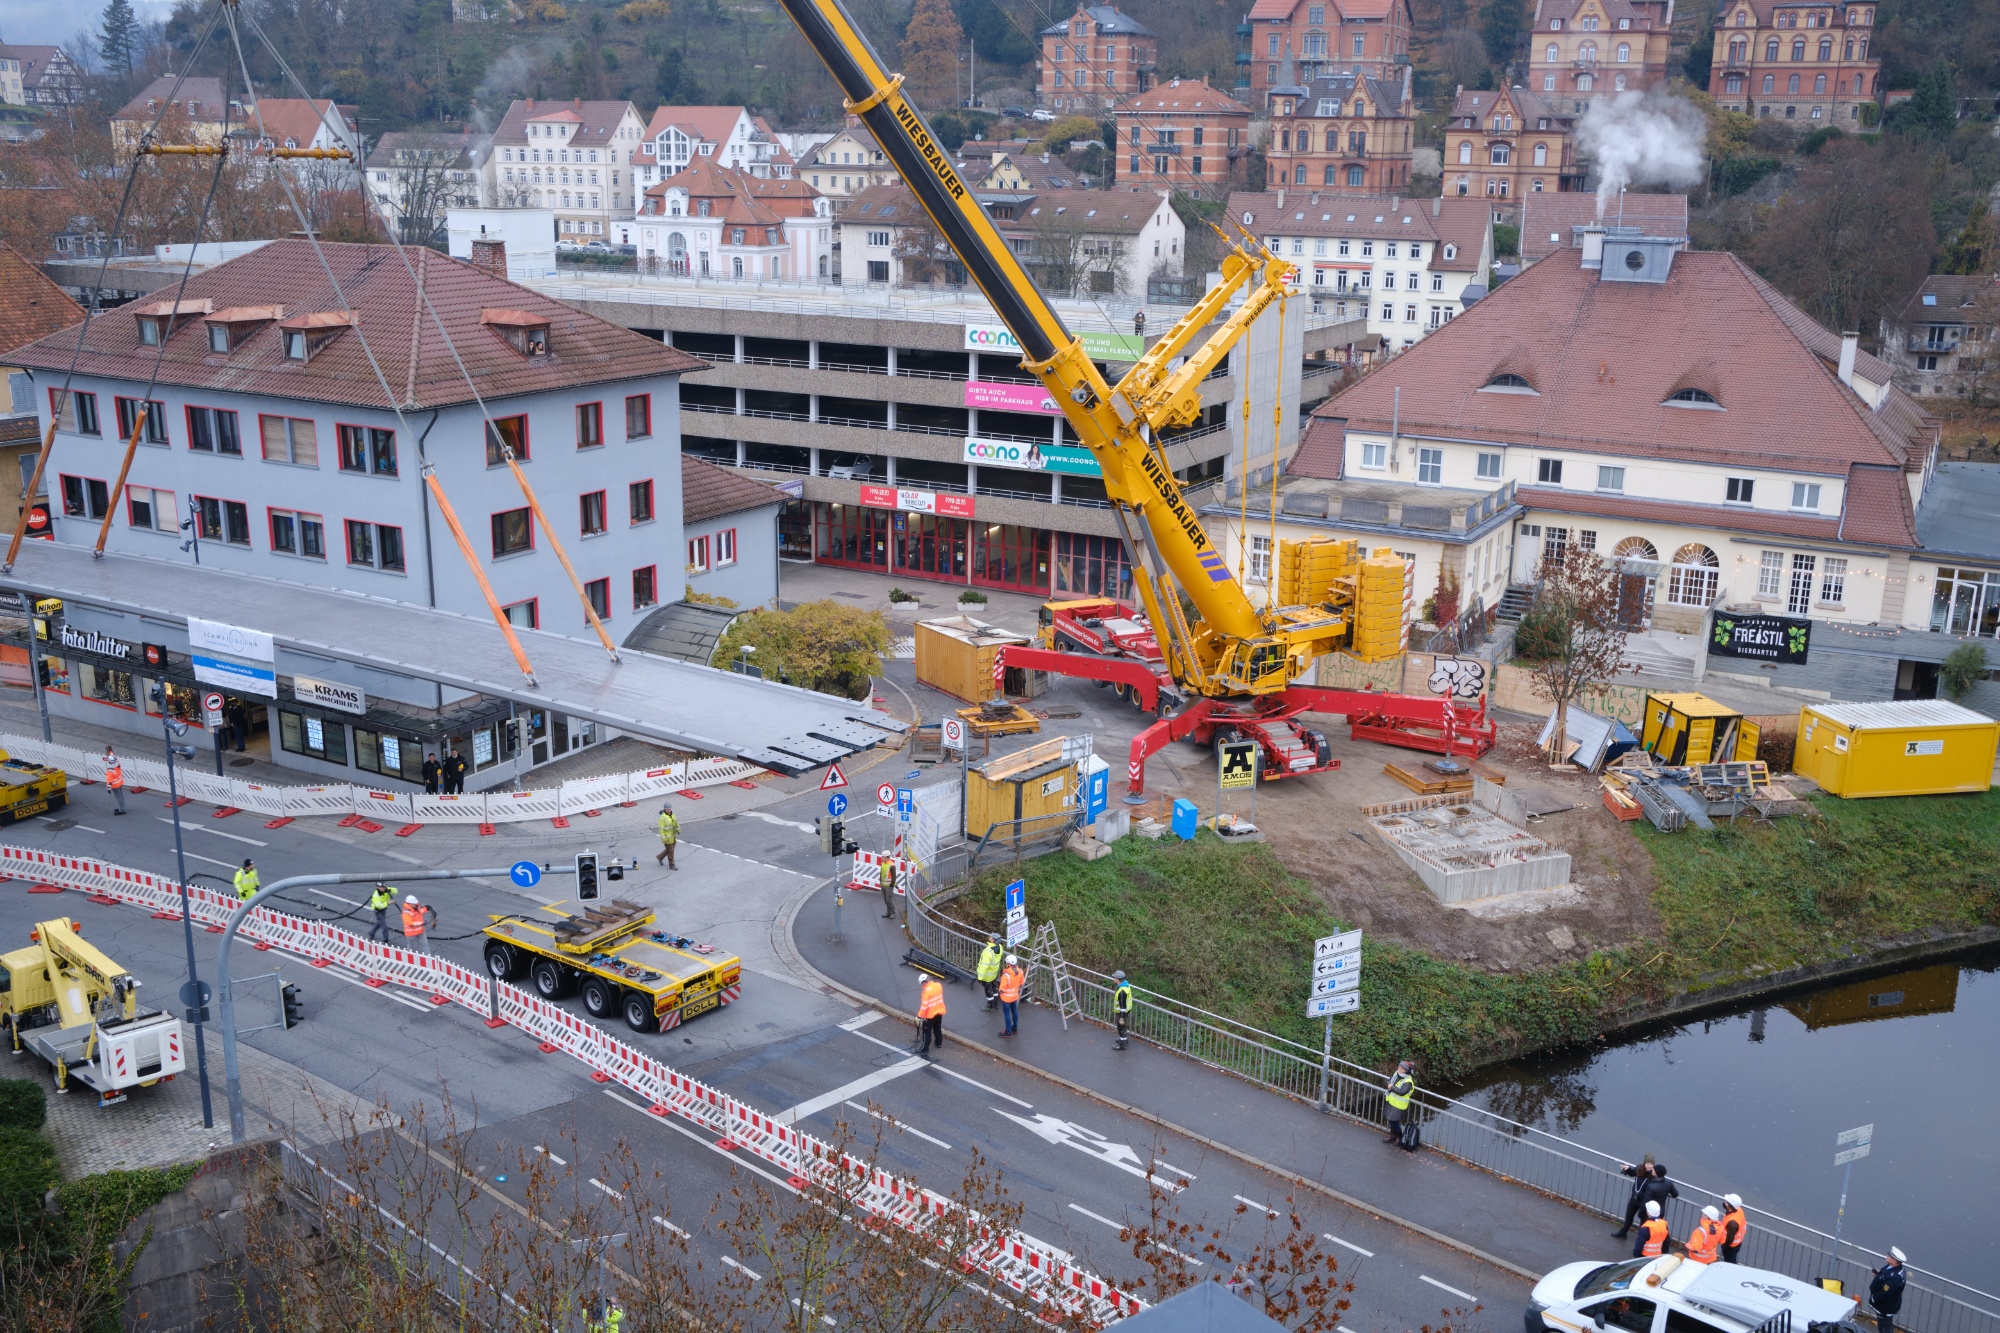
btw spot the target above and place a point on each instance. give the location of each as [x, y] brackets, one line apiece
[410, 898]
[1011, 960]
[1710, 1213]
[1652, 1208]
[1735, 1200]
[1897, 1255]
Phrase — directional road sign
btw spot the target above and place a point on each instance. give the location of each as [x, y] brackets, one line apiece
[885, 794]
[1338, 984]
[1017, 927]
[836, 805]
[1861, 1134]
[1336, 965]
[526, 874]
[1325, 1006]
[1326, 947]
[834, 778]
[1851, 1155]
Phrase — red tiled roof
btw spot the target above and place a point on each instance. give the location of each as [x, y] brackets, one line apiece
[734, 190]
[297, 119]
[1877, 508]
[1604, 356]
[1184, 95]
[31, 306]
[708, 491]
[1322, 450]
[709, 123]
[1310, 212]
[1546, 218]
[1956, 298]
[422, 374]
[597, 120]
[207, 94]
[1462, 223]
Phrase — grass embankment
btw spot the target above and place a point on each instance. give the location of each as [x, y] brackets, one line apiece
[1230, 930]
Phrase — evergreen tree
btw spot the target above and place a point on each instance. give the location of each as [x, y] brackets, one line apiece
[930, 54]
[668, 82]
[1499, 26]
[1933, 112]
[118, 38]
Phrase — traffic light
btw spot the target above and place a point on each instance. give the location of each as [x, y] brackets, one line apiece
[827, 834]
[294, 1005]
[614, 870]
[841, 845]
[586, 875]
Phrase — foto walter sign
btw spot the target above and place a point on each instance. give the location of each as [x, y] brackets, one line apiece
[1779, 639]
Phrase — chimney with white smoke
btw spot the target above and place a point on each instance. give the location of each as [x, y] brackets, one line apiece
[1649, 138]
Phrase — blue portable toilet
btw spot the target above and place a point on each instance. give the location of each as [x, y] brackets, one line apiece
[1186, 819]
[1096, 788]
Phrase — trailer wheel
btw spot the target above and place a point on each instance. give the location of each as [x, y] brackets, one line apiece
[599, 1000]
[639, 1012]
[503, 961]
[551, 979]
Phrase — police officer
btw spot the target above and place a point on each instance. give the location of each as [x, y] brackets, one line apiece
[670, 833]
[1121, 1007]
[1651, 1241]
[1735, 1227]
[887, 879]
[989, 970]
[380, 902]
[1705, 1241]
[417, 919]
[1885, 1291]
[1012, 978]
[930, 1013]
[1401, 1090]
[246, 881]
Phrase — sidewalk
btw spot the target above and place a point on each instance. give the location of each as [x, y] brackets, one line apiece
[1469, 1209]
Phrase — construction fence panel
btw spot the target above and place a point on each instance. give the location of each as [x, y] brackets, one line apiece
[464, 808]
[651, 782]
[336, 799]
[148, 773]
[512, 807]
[385, 807]
[573, 798]
[204, 787]
[264, 798]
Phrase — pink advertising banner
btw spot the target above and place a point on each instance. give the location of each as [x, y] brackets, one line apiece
[1011, 398]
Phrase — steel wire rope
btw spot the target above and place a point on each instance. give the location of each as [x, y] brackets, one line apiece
[319, 253]
[423, 296]
[104, 266]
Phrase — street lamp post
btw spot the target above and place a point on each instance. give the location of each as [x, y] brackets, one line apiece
[196, 1010]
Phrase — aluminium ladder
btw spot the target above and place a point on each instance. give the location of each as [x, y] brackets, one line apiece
[1048, 953]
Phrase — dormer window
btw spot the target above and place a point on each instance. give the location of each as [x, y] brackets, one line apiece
[157, 322]
[302, 336]
[218, 337]
[1508, 383]
[1451, 252]
[229, 329]
[1694, 398]
[526, 333]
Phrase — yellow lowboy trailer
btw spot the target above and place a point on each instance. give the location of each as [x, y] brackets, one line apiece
[609, 954]
[29, 789]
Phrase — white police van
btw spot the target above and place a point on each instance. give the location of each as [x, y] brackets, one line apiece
[1669, 1294]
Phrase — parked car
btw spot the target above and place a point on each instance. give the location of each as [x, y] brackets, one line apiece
[1039, 114]
[1014, 111]
[600, 246]
[567, 244]
[627, 249]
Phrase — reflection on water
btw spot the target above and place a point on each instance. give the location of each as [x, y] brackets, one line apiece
[1753, 1100]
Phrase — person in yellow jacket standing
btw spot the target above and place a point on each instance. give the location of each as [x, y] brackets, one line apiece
[930, 1014]
[379, 902]
[989, 970]
[246, 881]
[417, 921]
[888, 882]
[670, 833]
[1401, 1090]
[1121, 1007]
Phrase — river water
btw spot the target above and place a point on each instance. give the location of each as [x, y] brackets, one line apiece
[1752, 1100]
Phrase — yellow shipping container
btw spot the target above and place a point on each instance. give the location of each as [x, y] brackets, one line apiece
[1694, 729]
[955, 654]
[1910, 747]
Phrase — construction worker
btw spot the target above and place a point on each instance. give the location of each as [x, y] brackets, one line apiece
[417, 919]
[246, 881]
[1705, 1241]
[1401, 1090]
[1012, 978]
[670, 833]
[380, 902]
[1885, 1290]
[114, 778]
[930, 1013]
[887, 879]
[1121, 1007]
[1735, 1227]
[1651, 1241]
[989, 970]
[604, 1316]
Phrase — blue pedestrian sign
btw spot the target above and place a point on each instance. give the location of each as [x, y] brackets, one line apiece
[836, 805]
[906, 801]
[526, 874]
[1017, 895]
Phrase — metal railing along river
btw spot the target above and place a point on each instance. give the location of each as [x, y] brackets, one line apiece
[1545, 1162]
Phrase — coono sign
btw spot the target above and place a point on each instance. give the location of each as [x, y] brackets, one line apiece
[1070, 459]
[1098, 346]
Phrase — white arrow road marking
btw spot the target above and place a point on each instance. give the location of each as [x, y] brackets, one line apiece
[1441, 1286]
[902, 1050]
[1349, 1244]
[1120, 1155]
[840, 1094]
[773, 819]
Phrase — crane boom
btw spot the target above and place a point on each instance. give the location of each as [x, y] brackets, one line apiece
[1232, 648]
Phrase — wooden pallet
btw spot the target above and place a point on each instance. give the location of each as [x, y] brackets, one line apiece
[1427, 784]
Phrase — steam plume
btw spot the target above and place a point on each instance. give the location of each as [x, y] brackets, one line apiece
[1649, 138]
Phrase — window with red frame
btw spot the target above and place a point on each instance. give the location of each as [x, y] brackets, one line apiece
[128, 420]
[222, 520]
[506, 433]
[523, 615]
[512, 531]
[724, 549]
[591, 513]
[599, 593]
[85, 497]
[76, 412]
[589, 425]
[645, 587]
[697, 555]
[638, 416]
[640, 493]
[148, 508]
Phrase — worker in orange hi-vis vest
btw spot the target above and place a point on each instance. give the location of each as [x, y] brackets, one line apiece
[930, 1014]
[114, 778]
[417, 920]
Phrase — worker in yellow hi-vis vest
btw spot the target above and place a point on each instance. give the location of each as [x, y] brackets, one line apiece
[670, 833]
[246, 881]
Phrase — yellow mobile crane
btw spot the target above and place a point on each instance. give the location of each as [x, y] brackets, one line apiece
[70, 1004]
[1235, 662]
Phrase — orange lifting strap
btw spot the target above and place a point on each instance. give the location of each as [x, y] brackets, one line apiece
[549, 531]
[472, 563]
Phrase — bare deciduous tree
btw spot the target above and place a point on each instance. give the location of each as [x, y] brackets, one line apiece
[1574, 633]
